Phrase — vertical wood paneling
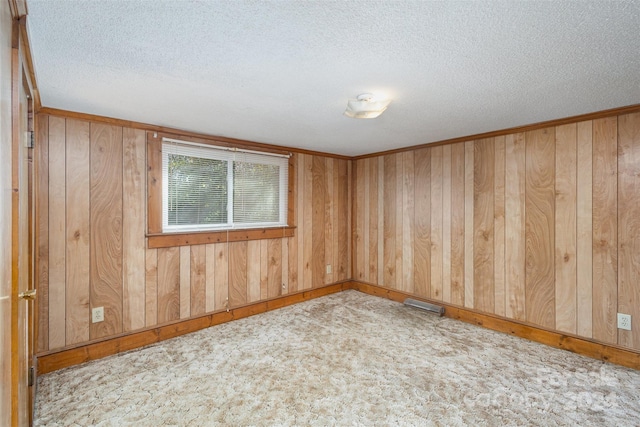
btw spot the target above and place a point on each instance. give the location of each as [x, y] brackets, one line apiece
[185, 282]
[221, 276]
[350, 213]
[468, 223]
[329, 226]
[264, 269]
[408, 219]
[515, 172]
[238, 273]
[42, 231]
[605, 233]
[253, 269]
[380, 226]
[483, 225]
[308, 252]
[360, 215]
[344, 228]
[446, 223]
[106, 227]
[274, 274]
[565, 231]
[373, 221]
[336, 218]
[57, 233]
[389, 261]
[584, 214]
[198, 279]
[457, 224]
[499, 226]
[629, 226]
[319, 193]
[436, 223]
[539, 205]
[133, 227]
[77, 239]
[210, 278]
[422, 229]
[168, 284]
[284, 267]
[399, 220]
[363, 183]
[151, 288]
[301, 218]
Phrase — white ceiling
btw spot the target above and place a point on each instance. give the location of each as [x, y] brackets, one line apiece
[281, 71]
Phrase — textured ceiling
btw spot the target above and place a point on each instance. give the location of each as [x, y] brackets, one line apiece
[281, 71]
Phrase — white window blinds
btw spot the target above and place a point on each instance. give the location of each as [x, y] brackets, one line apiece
[208, 188]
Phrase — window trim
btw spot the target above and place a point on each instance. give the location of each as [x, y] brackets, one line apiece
[159, 239]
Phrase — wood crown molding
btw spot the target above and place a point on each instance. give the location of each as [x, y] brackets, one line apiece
[525, 128]
[183, 133]
[583, 346]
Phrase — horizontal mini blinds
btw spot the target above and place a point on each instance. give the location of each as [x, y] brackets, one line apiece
[206, 187]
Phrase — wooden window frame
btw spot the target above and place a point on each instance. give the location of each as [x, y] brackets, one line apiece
[156, 238]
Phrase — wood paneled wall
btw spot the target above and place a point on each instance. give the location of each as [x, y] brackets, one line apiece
[541, 226]
[92, 217]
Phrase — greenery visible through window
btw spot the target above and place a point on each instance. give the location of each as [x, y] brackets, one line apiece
[211, 188]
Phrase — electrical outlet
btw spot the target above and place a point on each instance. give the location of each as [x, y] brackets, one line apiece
[97, 315]
[328, 268]
[624, 321]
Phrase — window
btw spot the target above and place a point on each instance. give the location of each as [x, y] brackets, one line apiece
[217, 188]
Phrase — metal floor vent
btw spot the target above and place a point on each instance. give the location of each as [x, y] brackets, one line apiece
[425, 306]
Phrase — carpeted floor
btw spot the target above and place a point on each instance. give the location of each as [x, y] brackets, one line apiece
[344, 359]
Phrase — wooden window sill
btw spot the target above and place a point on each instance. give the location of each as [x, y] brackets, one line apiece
[169, 240]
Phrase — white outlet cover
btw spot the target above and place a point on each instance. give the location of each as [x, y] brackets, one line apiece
[97, 315]
[624, 321]
[328, 268]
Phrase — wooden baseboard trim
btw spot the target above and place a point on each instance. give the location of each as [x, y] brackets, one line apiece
[54, 360]
[574, 344]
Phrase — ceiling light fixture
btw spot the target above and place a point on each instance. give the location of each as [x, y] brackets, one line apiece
[366, 106]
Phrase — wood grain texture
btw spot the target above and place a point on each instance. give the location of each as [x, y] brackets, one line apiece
[436, 223]
[284, 267]
[171, 240]
[584, 218]
[185, 282]
[253, 269]
[308, 203]
[499, 266]
[154, 183]
[457, 224]
[151, 288]
[565, 228]
[373, 178]
[274, 274]
[380, 226]
[539, 249]
[389, 261]
[365, 208]
[344, 226]
[221, 276]
[515, 248]
[210, 277]
[319, 193]
[483, 225]
[408, 220]
[106, 227]
[42, 232]
[133, 227]
[198, 279]
[399, 220]
[446, 223]
[629, 226]
[237, 273]
[77, 239]
[168, 285]
[468, 223]
[422, 228]
[264, 269]
[605, 233]
[336, 218]
[329, 223]
[301, 220]
[360, 215]
[57, 233]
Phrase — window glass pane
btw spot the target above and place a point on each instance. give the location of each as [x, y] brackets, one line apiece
[256, 192]
[197, 192]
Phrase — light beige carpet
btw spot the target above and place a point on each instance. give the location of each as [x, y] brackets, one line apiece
[344, 359]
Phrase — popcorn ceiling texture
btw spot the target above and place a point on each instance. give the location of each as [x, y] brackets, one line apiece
[281, 71]
[344, 359]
